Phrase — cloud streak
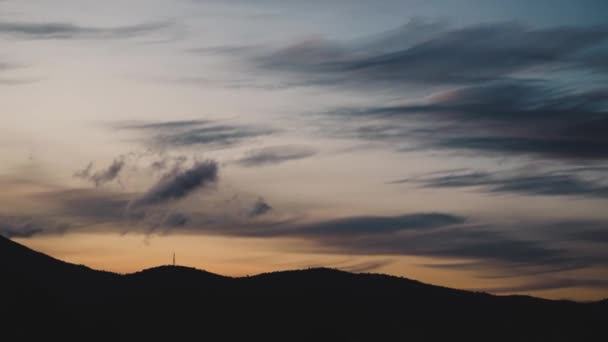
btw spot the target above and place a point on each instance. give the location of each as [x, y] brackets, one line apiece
[276, 155]
[430, 53]
[62, 30]
[518, 118]
[557, 183]
[189, 133]
[29, 226]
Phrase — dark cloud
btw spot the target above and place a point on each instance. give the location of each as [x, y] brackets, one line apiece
[470, 242]
[28, 226]
[429, 53]
[104, 176]
[89, 206]
[178, 184]
[493, 111]
[515, 118]
[219, 135]
[276, 155]
[436, 235]
[196, 132]
[260, 207]
[376, 225]
[591, 232]
[557, 183]
[57, 30]
[176, 220]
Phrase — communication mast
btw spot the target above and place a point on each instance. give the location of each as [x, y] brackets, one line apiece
[173, 258]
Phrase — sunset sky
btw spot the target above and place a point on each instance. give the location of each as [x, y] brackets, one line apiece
[459, 143]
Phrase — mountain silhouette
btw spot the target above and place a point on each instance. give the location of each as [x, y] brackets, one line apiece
[46, 297]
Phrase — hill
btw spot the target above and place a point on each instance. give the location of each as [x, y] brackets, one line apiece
[43, 295]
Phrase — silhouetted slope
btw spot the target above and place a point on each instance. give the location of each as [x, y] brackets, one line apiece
[19, 259]
[174, 303]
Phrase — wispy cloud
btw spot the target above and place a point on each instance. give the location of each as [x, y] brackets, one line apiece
[27, 226]
[103, 176]
[196, 132]
[548, 183]
[276, 155]
[431, 53]
[519, 118]
[62, 30]
[376, 225]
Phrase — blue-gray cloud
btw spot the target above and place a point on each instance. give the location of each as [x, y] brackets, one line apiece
[196, 132]
[276, 155]
[431, 54]
[556, 183]
[514, 118]
[62, 30]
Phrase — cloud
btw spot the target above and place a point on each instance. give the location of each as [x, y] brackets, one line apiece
[165, 125]
[28, 226]
[58, 30]
[168, 162]
[550, 183]
[376, 225]
[89, 206]
[592, 232]
[195, 132]
[178, 184]
[519, 118]
[430, 53]
[260, 207]
[176, 220]
[104, 176]
[505, 249]
[275, 155]
[13, 81]
[458, 242]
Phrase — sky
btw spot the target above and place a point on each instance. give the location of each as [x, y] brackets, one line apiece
[459, 143]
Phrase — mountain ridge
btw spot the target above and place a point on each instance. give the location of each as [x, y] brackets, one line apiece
[176, 269]
[322, 304]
